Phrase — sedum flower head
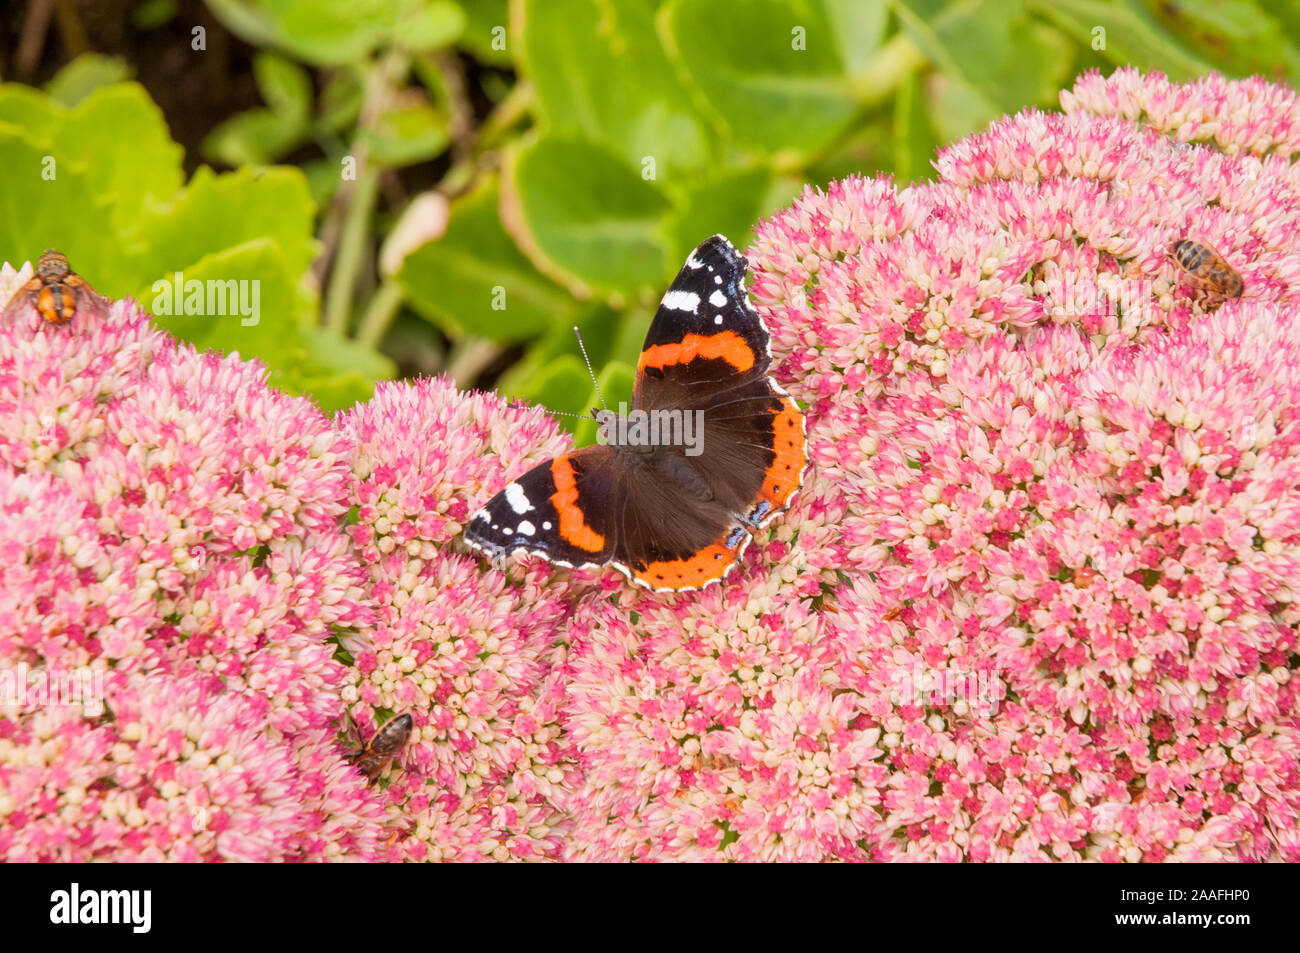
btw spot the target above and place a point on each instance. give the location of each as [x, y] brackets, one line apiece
[171, 534]
[472, 655]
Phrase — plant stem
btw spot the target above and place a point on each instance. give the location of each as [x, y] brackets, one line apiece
[32, 40]
[380, 313]
[353, 243]
[460, 120]
[468, 358]
[896, 60]
[464, 173]
[506, 113]
[354, 239]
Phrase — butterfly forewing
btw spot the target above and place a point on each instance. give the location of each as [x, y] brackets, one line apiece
[704, 322]
[562, 510]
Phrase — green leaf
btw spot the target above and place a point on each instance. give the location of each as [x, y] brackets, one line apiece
[120, 137]
[564, 387]
[37, 213]
[322, 180]
[429, 26]
[336, 371]
[153, 13]
[198, 302]
[1131, 38]
[601, 328]
[101, 183]
[630, 339]
[340, 100]
[111, 161]
[553, 373]
[957, 108]
[1239, 36]
[600, 73]
[730, 202]
[406, 135]
[242, 300]
[870, 147]
[285, 86]
[260, 136]
[457, 281]
[254, 137]
[1007, 60]
[484, 22]
[271, 202]
[585, 216]
[914, 142]
[87, 73]
[28, 109]
[768, 70]
[857, 29]
[334, 32]
[557, 386]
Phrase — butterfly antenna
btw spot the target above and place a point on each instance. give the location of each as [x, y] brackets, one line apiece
[589, 370]
[520, 405]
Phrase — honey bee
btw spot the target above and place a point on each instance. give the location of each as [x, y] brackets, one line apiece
[1216, 281]
[57, 292]
[382, 747]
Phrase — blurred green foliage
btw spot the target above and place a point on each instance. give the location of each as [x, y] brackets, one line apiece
[584, 147]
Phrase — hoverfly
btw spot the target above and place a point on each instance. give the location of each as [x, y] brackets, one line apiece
[57, 293]
[1216, 281]
[382, 747]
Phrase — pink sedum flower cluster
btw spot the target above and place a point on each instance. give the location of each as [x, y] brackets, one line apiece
[1065, 482]
[474, 656]
[1035, 601]
[170, 534]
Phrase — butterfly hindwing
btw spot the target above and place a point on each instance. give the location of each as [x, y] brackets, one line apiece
[755, 450]
[687, 550]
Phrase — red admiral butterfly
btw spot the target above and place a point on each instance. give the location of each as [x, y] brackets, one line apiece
[668, 519]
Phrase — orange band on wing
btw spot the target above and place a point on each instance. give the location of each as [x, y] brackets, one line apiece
[791, 454]
[708, 564]
[573, 524]
[727, 345]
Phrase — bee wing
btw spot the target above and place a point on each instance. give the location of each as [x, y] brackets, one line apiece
[391, 738]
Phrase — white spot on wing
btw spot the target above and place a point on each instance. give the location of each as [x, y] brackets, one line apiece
[517, 498]
[527, 528]
[682, 301]
[717, 299]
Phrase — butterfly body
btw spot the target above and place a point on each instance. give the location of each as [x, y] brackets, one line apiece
[668, 516]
